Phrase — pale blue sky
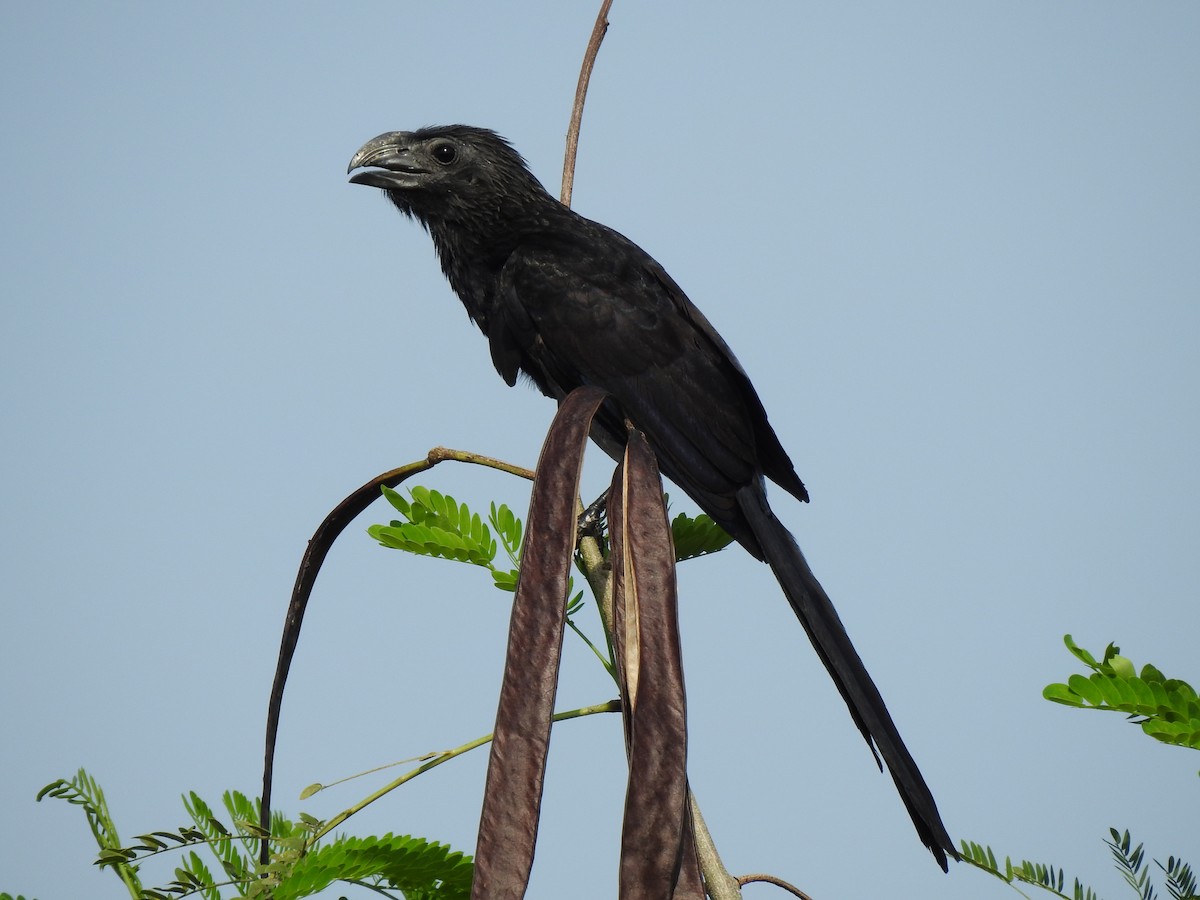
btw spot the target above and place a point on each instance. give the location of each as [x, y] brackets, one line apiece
[955, 245]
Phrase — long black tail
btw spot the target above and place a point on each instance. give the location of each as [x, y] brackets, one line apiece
[825, 629]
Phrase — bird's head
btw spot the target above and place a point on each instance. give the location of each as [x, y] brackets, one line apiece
[446, 172]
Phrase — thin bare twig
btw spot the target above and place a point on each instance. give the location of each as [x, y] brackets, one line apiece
[585, 74]
[778, 882]
[436, 759]
[310, 565]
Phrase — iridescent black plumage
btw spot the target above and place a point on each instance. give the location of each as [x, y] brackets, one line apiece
[568, 301]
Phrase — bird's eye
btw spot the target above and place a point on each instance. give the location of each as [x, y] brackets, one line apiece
[445, 153]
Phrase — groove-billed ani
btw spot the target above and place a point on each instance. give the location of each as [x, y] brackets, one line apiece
[569, 302]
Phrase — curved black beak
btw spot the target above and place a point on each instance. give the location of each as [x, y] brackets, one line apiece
[389, 162]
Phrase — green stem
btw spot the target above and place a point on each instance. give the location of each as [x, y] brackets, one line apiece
[441, 454]
[609, 707]
[608, 666]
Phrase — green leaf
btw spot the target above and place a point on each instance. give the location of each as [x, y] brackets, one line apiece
[1079, 652]
[1167, 709]
[1060, 693]
[697, 536]
[1109, 653]
[506, 581]
[508, 528]
[113, 856]
[1122, 667]
[1183, 734]
[53, 789]
[1149, 673]
[437, 525]
[397, 500]
[1086, 688]
[417, 867]
[1116, 693]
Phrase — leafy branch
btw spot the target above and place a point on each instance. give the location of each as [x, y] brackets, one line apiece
[393, 865]
[85, 792]
[1041, 875]
[1129, 860]
[1168, 711]
[1166, 708]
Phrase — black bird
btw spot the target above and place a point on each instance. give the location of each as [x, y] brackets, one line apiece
[568, 302]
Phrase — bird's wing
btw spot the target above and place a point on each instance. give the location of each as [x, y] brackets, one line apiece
[595, 309]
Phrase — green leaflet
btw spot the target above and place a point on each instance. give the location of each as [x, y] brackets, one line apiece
[1167, 708]
[1047, 877]
[435, 524]
[415, 867]
[420, 868]
[697, 536]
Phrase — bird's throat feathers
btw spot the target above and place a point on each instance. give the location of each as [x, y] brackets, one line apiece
[475, 240]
